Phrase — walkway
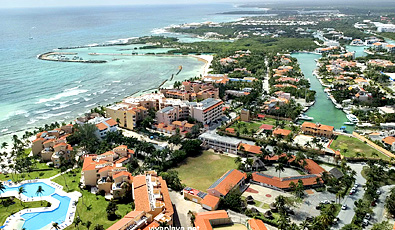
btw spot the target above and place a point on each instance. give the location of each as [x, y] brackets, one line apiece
[373, 145]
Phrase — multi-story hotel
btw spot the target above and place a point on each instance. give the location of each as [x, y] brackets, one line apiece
[317, 129]
[153, 205]
[107, 172]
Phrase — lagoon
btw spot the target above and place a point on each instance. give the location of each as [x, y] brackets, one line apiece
[323, 109]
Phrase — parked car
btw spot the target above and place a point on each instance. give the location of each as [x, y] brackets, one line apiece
[344, 207]
[365, 223]
[378, 192]
[367, 216]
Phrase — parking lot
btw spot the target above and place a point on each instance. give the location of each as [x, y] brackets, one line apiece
[308, 207]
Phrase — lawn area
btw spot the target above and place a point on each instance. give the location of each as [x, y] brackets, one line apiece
[16, 207]
[254, 125]
[93, 208]
[44, 172]
[69, 180]
[202, 171]
[90, 207]
[352, 147]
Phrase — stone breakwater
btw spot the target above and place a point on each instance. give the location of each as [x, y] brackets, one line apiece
[54, 56]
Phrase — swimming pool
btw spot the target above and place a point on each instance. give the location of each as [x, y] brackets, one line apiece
[38, 220]
[31, 189]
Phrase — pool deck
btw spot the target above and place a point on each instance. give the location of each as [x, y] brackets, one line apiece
[15, 222]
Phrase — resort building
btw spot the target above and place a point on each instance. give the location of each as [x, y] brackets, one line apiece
[52, 145]
[255, 224]
[208, 202]
[183, 127]
[311, 179]
[153, 205]
[230, 180]
[104, 125]
[219, 143]
[317, 129]
[252, 149]
[127, 115]
[389, 142]
[245, 115]
[107, 171]
[207, 111]
[207, 220]
[151, 195]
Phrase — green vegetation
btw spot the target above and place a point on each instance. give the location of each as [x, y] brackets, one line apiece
[91, 208]
[259, 44]
[202, 171]
[69, 180]
[41, 170]
[352, 147]
[10, 206]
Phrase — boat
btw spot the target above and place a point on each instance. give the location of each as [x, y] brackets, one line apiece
[352, 118]
[305, 117]
[349, 123]
[338, 106]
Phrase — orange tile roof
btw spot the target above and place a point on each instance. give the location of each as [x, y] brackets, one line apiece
[38, 139]
[109, 153]
[228, 181]
[125, 221]
[202, 220]
[256, 224]
[210, 200]
[152, 225]
[140, 194]
[282, 132]
[214, 106]
[111, 122]
[121, 160]
[389, 140]
[166, 197]
[313, 168]
[179, 123]
[101, 126]
[251, 148]
[106, 168]
[265, 126]
[230, 130]
[60, 144]
[317, 126]
[47, 141]
[283, 182]
[122, 173]
[189, 125]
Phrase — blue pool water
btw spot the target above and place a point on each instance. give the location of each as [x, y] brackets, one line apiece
[38, 220]
[31, 189]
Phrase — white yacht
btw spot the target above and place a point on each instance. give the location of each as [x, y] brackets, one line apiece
[352, 118]
[305, 117]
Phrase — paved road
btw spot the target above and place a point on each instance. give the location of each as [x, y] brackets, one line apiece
[378, 211]
[346, 216]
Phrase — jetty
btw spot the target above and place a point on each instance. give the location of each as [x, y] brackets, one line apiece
[61, 57]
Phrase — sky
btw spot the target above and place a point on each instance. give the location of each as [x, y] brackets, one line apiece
[61, 3]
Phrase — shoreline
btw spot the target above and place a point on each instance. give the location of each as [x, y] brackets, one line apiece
[207, 59]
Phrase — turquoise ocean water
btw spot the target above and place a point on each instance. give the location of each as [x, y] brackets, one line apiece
[35, 92]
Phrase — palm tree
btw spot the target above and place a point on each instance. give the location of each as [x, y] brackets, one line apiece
[21, 190]
[2, 189]
[4, 145]
[39, 192]
[279, 168]
[55, 225]
[88, 224]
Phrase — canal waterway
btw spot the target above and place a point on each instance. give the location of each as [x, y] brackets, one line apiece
[323, 110]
